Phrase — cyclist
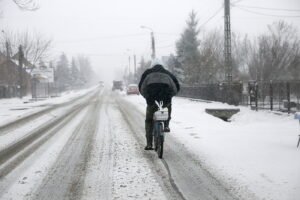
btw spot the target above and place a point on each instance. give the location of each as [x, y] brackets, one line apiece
[157, 84]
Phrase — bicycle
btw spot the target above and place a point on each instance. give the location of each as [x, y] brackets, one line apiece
[159, 119]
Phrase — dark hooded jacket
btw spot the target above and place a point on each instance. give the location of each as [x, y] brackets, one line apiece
[158, 84]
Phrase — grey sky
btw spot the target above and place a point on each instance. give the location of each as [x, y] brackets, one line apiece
[104, 30]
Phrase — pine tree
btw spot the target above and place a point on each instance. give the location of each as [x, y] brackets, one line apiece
[75, 74]
[62, 72]
[187, 50]
[88, 76]
[175, 67]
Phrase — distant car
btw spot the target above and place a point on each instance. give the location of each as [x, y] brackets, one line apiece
[117, 85]
[101, 83]
[133, 89]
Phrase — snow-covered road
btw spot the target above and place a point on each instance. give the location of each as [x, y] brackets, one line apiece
[87, 151]
[91, 147]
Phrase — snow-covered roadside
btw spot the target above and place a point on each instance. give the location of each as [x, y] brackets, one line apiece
[15, 108]
[255, 153]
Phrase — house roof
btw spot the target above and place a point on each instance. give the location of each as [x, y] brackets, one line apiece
[25, 61]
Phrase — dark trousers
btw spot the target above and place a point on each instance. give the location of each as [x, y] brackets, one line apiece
[151, 109]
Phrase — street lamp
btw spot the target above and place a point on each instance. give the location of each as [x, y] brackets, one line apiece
[128, 50]
[129, 64]
[152, 41]
[127, 67]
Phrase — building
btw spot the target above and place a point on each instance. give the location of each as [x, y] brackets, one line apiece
[9, 78]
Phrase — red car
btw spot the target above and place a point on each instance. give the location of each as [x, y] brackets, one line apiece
[133, 89]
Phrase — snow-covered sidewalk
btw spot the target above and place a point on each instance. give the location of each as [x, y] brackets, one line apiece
[15, 108]
[255, 153]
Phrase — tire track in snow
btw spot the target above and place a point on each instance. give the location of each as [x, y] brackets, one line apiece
[98, 180]
[172, 180]
[163, 175]
[66, 177]
[27, 161]
[6, 128]
[133, 178]
[14, 154]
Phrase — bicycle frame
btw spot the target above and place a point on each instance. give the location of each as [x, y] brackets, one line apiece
[155, 126]
[159, 118]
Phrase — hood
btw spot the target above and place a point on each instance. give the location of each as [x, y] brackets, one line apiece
[156, 62]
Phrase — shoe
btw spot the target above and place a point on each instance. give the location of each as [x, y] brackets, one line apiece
[167, 129]
[147, 148]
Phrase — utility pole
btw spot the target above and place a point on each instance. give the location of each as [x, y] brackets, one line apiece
[20, 70]
[227, 50]
[128, 64]
[134, 62]
[153, 45]
[153, 55]
[7, 49]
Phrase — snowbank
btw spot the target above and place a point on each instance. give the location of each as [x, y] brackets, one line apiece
[15, 108]
[255, 153]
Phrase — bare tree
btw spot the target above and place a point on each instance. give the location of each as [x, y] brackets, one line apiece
[241, 56]
[211, 57]
[276, 56]
[28, 5]
[35, 46]
[25, 5]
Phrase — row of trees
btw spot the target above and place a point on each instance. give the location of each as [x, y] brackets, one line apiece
[36, 53]
[75, 74]
[199, 59]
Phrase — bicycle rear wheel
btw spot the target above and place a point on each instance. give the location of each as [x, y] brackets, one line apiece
[155, 135]
[160, 141]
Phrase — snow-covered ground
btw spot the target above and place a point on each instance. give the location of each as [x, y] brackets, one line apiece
[15, 108]
[254, 153]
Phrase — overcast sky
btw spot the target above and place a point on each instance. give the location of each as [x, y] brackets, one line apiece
[108, 31]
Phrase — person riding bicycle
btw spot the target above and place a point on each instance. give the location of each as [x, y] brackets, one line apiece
[157, 84]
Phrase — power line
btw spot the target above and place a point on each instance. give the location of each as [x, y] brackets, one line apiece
[264, 8]
[264, 14]
[166, 46]
[211, 17]
[104, 37]
[92, 54]
[237, 1]
[166, 34]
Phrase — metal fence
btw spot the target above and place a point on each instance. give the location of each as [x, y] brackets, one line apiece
[214, 92]
[272, 95]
